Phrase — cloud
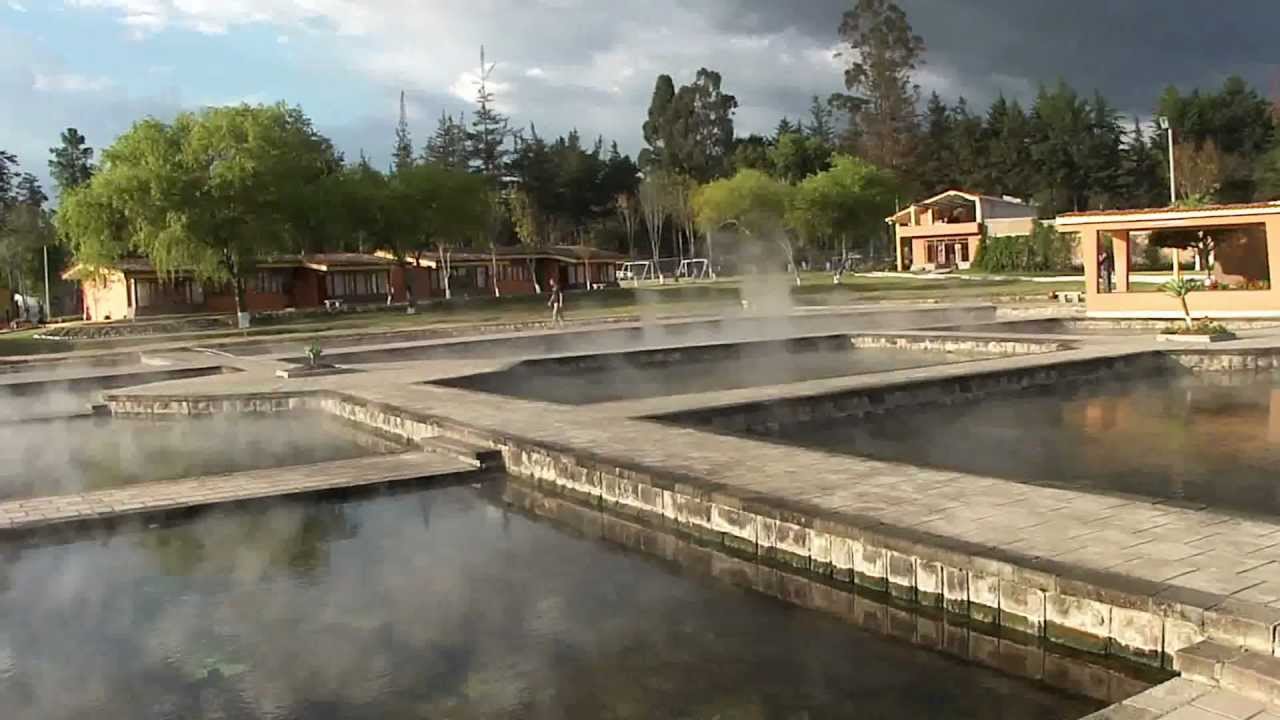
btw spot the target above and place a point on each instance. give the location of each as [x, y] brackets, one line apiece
[68, 83]
[16, 6]
[591, 64]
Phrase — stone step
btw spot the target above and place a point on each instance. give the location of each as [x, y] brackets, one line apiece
[1251, 674]
[482, 456]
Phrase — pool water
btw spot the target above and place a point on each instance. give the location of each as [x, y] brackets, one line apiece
[623, 380]
[81, 454]
[440, 604]
[1212, 439]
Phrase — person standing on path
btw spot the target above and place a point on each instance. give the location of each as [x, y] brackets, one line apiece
[556, 303]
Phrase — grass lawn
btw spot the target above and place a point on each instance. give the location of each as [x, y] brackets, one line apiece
[671, 300]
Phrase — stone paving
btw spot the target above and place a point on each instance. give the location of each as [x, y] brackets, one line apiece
[1182, 699]
[19, 515]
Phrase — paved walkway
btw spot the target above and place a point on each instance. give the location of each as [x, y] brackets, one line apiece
[220, 489]
[1181, 699]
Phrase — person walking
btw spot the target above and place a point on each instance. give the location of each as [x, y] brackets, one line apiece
[556, 303]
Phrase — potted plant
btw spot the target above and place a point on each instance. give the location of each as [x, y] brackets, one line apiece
[1191, 330]
[314, 351]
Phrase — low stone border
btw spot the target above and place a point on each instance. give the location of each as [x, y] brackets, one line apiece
[1085, 675]
[768, 417]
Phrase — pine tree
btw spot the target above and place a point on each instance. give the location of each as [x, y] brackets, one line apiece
[934, 168]
[1142, 182]
[785, 127]
[821, 123]
[402, 153]
[490, 129]
[71, 163]
[448, 146]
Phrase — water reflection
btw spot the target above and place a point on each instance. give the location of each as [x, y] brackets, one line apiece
[1212, 439]
[455, 608]
[73, 455]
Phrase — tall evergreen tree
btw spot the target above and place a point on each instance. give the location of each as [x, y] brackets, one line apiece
[402, 151]
[490, 129]
[883, 51]
[1009, 166]
[933, 168]
[785, 127]
[821, 123]
[71, 163]
[1142, 182]
[448, 146]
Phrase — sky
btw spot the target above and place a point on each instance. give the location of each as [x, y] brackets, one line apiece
[100, 65]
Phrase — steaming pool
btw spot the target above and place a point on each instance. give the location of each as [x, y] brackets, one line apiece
[588, 379]
[79, 454]
[446, 603]
[1211, 438]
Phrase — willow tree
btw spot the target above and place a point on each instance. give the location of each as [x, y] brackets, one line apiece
[209, 194]
[753, 204]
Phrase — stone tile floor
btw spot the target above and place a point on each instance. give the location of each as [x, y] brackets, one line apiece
[1181, 699]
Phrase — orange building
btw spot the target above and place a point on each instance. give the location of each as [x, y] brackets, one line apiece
[945, 230]
[1241, 243]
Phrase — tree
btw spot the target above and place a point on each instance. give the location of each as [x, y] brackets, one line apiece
[753, 204]
[1238, 120]
[1199, 171]
[628, 208]
[848, 201]
[402, 152]
[683, 214]
[1180, 288]
[25, 229]
[439, 210]
[690, 132]
[786, 127]
[1268, 175]
[656, 127]
[655, 202]
[752, 153]
[71, 163]
[821, 127]
[795, 157]
[210, 193]
[490, 129]
[1141, 171]
[882, 53]
[448, 146]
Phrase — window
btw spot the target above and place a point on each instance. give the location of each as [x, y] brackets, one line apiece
[356, 284]
[268, 281]
[931, 252]
[964, 252]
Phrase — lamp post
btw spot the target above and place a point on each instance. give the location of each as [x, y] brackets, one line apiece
[1164, 124]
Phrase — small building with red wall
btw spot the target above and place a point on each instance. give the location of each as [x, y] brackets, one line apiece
[133, 288]
[512, 269]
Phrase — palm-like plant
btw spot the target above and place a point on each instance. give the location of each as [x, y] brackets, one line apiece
[1181, 288]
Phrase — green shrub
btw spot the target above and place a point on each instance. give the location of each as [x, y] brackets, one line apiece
[1044, 250]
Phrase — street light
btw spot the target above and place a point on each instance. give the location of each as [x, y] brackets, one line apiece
[1164, 124]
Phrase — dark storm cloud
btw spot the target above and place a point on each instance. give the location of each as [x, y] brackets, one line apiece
[1127, 49]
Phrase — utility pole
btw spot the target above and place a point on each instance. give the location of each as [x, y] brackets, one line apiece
[48, 308]
[1167, 126]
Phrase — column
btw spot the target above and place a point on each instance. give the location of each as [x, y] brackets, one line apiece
[1089, 256]
[1120, 251]
[1273, 251]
